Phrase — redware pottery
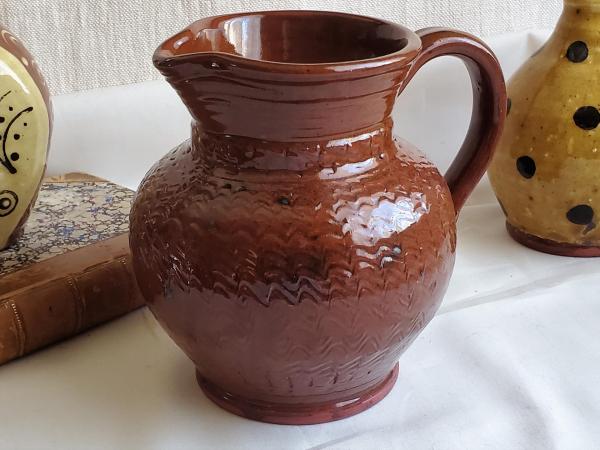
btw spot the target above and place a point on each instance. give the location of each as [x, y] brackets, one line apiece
[25, 123]
[293, 247]
[546, 172]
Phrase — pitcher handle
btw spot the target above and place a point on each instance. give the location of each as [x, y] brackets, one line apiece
[489, 105]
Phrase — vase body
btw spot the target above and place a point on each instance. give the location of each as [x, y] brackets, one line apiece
[293, 247]
[546, 172]
[25, 124]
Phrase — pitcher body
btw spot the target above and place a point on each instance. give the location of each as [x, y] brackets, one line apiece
[293, 247]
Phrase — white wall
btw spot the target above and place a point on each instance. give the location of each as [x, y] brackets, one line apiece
[84, 44]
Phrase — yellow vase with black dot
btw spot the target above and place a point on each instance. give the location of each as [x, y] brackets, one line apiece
[546, 171]
[25, 124]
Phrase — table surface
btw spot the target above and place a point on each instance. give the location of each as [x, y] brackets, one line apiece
[512, 359]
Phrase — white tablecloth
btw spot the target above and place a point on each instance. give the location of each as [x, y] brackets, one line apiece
[512, 360]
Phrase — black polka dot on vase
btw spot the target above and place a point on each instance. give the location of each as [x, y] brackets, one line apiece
[15, 156]
[2, 119]
[587, 117]
[581, 215]
[526, 166]
[10, 108]
[17, 136]
[578, 52]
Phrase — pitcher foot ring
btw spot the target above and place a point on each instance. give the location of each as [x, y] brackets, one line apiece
[287, 414]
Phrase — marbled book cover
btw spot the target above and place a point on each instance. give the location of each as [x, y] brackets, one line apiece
[71, 212]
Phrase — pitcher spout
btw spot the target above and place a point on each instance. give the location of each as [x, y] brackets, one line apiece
[260, 75]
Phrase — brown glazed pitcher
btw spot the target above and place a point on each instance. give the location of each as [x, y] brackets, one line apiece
[293, 247]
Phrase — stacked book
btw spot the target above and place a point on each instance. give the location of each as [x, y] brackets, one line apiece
[71, 270]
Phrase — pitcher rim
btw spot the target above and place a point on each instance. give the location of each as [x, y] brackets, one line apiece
[163, 56]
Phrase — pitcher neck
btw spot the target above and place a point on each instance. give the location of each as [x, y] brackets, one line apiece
[343, 156]
[228, 98]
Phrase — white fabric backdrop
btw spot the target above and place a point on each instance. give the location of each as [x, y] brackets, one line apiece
[84, 44]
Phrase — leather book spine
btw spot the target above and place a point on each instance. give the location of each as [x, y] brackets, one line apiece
[49, 302]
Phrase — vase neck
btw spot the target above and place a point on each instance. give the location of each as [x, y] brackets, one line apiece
[580, 21]
[589, 6]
